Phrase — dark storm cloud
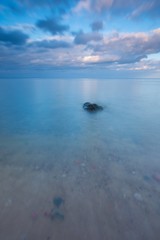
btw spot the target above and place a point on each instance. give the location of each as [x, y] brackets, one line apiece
[51, 44]
[52, 25]
[84, 38]
[14, 37]
[96, 26]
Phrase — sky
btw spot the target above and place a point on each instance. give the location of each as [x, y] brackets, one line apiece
[80, 38]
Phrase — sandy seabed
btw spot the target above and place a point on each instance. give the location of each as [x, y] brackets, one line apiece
[107, 195]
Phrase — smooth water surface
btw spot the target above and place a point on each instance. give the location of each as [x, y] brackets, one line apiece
[105, 166]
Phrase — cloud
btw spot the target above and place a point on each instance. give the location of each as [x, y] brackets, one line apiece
[131, 8]
[58, 7]
[52, 25]
[140, 10]
[96, 26]
[93, 5]
[28, 29]
[15, 37]
[50, 3]
[128, 47]
[99, 59]
[112, 51]
[101, 5]
[50, 44]
[91, 59]
[82, 5]
[149, 8]
[84, 38]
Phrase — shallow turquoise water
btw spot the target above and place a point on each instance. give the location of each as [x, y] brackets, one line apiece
[48, 141]
[53, 108]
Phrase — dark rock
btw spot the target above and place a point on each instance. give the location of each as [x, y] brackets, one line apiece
[146, 178]
[56, 214]
[58, 201]
[91, 107]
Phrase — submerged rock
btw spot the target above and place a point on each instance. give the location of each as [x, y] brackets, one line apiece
[146, 178]
[56, 214]
[91, 107]
[58, 201]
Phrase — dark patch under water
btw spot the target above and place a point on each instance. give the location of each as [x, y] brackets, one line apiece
[58, 201]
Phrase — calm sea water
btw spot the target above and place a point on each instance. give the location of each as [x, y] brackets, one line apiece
[105, 165]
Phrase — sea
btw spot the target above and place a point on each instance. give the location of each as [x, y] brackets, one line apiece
[70, 174]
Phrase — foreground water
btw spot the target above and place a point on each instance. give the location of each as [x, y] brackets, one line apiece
[104, 167]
